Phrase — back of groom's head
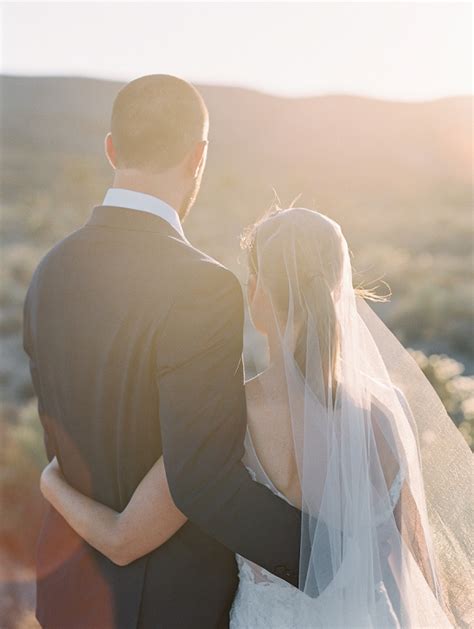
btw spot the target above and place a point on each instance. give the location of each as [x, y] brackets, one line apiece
[156, 121]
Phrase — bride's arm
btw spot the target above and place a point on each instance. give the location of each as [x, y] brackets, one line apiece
[147, 522]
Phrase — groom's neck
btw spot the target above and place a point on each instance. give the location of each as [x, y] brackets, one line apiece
[166, 187]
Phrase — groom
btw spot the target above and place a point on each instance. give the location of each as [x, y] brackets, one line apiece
[135, 340]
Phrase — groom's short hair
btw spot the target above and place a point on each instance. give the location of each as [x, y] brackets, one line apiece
[156, 121]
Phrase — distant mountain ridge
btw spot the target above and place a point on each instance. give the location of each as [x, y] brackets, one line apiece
[342, 153]
[335, 134]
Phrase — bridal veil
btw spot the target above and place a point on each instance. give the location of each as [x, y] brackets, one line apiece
[386, 479]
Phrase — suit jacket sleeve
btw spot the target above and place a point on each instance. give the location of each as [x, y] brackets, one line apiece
[28, 348]
[203, 422]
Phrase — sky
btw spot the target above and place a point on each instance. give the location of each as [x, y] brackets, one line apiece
[390, 50]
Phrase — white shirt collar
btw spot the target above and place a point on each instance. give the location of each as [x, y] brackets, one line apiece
[133, 200]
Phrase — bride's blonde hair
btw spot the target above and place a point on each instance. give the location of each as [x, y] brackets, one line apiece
[318, 266]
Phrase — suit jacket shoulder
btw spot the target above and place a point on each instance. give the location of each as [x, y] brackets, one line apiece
[200, 281]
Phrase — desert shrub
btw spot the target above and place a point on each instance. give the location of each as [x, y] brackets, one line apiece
[455, 390]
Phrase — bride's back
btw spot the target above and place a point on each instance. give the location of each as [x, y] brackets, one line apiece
[269, 424]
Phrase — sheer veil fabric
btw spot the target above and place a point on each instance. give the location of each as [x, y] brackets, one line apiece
[386, 479]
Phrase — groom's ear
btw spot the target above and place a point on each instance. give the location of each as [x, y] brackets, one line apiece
[109, 149]
[197, 158]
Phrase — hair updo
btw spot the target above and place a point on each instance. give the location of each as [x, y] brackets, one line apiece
[312, 245]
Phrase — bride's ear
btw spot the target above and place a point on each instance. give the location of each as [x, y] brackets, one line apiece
[258, 304]
[251, 288]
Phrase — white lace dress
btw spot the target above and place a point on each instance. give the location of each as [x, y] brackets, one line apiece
[264, 601]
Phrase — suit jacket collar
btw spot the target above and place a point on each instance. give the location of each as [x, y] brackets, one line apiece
[135, 200]
[133, 220]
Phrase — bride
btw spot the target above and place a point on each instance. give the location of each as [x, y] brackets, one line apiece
[343, 425]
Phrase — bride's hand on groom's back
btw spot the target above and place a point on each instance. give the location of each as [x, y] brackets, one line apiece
[49, 476]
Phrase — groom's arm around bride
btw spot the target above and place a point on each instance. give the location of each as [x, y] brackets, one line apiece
[203, 421]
